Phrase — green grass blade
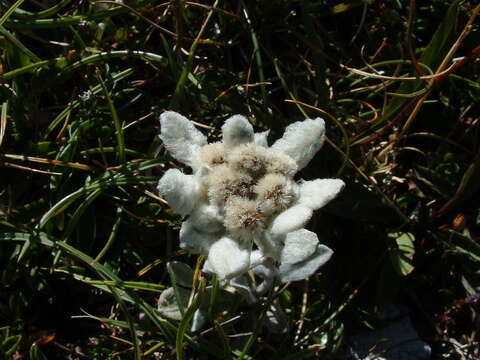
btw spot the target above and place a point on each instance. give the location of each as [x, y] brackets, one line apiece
[27, 24]
[135, 285]
[109, 149]
[257, 52]
[79, 212]
[9, 12]
[113, 235]
[227, 350]
[131, 325]
[179, 93]
[186, 318]
[25, 69]
[23, 237]
[76, 103]
[44, 13]
[116, 123]
[105, 56]
[60, 206]
[10, 37]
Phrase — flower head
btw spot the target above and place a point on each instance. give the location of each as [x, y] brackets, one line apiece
[245, 210]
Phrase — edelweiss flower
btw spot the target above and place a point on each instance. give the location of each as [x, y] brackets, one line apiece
[245, 210]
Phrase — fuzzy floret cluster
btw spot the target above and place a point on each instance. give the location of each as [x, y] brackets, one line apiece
[242, 206]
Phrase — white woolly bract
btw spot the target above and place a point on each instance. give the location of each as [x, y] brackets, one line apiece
[195, 241]
[206, 218]
[228, 258]
[202, 177]
[302, 140]
[179, 190]
[307, 267]
[299, 245]
[260, 139]
[236, 131]
[317, 193]
[292, 219]
[180, 137]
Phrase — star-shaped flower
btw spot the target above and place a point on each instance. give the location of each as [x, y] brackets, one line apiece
[241, 206]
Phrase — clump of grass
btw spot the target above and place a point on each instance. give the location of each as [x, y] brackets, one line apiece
[85, 240]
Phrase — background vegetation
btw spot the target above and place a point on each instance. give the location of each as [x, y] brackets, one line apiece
[84, 239]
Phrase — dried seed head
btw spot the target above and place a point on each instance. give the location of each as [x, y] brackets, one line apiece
[275, 193]
[212, 154]
[279, 163]
[248, 158]
[225, 183]
[243, 218]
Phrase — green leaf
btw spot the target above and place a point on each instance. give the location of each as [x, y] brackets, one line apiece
[181, 276]
[36, 353]
[172, 303]
[464, 245]
[443, 38]
[180, 273]
[402, 256]
[10, 344]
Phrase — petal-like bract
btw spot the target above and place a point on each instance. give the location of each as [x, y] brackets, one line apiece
[302, 140]
[299, 245]
[292, 219]
[228, 258]
[195, 241]
[179, 190]
[236, 131]
[317, 193]
[206, 218]
[261, 138]
[306, 268]
[180, 137]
